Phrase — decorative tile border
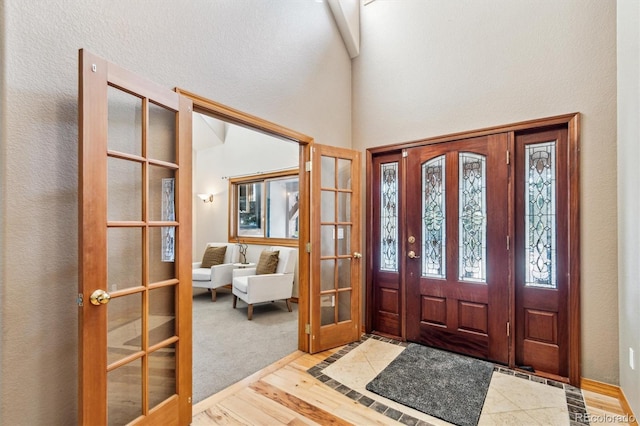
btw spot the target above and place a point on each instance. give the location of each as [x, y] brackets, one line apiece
[575, 401]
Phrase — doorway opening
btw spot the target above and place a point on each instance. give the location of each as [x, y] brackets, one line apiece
[224, 120]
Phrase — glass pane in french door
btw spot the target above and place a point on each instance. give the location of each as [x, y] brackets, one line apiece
[124, 132]
[124, 393]
[161, 139]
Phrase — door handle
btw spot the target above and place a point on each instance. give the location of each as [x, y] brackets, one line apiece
[357, 255]
[100, 297]
[412, 255]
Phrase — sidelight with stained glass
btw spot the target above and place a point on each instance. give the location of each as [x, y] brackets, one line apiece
[540, 215]
[389, 217]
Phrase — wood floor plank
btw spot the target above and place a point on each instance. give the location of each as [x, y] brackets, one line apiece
[322, 396]
[330, 400]
[274, 409]
[300, 406]
[253, 415]
[603, 402]
[295, 377]
[215, 415]
[306, 361]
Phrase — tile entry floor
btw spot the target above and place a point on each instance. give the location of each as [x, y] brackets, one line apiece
[512, 398]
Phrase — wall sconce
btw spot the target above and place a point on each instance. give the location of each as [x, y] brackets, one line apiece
[207, 198]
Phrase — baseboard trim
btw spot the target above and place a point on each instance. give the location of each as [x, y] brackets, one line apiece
[612, 391]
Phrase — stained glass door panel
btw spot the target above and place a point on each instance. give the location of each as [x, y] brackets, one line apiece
[456, 252]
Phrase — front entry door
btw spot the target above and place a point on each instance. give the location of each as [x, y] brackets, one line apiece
[134, 249]
[335, 249]
[457, 273]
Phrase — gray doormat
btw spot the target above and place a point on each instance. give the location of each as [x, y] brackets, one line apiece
[442, 384]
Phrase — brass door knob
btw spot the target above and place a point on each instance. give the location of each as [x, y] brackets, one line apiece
[412, 255]
[100, 297]
[357, 255]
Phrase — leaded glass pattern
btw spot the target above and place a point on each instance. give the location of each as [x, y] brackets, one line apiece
[433, 218]
[540, 215]
[389, 217]
[472, 225]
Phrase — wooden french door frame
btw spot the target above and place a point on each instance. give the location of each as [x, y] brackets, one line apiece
[572, 122]
[335, 247]
[225, 113]
[97, 292]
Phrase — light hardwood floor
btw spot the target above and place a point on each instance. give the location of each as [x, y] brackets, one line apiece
[284, 393]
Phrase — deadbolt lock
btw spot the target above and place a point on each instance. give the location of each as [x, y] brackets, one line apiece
[412, 239]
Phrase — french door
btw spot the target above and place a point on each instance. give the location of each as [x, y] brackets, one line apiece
[335, 248]
[457, 273]
[135, 249]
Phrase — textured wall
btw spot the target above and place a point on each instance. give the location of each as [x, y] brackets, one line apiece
[283, 61]
[429, 68]
[628, 200]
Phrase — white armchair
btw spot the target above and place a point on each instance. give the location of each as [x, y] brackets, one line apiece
[252, 288]
[218, 275]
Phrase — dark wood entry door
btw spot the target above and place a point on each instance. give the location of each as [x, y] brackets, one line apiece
[457, 248]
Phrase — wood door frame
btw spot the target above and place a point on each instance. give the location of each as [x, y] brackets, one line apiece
[217, 110]
[572, 121]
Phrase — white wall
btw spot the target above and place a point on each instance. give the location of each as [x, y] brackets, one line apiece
[628, 200]
[243, 152]
[283, 61]
[429, 68]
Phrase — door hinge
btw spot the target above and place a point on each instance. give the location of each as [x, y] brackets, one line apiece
[307, 166]
[404, 153]
[508, 242]
[508, 157]
[307, 328]
[80, 299]
[308, 245]
[508, 329]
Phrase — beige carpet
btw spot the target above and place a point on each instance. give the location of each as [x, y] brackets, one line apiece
[227, 347]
